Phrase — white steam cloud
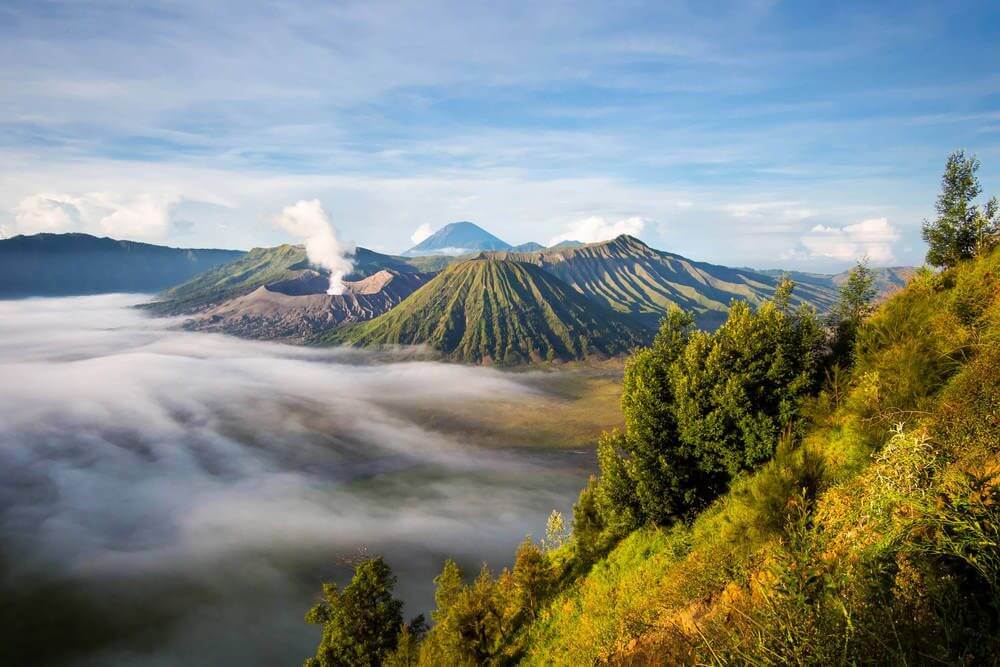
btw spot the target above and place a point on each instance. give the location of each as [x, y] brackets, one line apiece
[597, 228]
[307, 220]
[421, 233]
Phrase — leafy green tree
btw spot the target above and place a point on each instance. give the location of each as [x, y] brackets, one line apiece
[854, 304]
[361, 624]
[962, 229]
[736, 389]
[588, 524]
[616, 498]
[702, 407]
[450, 584]
[407, 652]
[650, 436]
[475, 629]
[532, 575]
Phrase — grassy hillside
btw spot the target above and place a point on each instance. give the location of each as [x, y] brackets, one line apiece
[864, 529]
[262, 266]
[875, 538]
[497, 311]
[630, 277]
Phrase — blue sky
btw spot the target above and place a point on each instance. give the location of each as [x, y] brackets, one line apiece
[799, 135]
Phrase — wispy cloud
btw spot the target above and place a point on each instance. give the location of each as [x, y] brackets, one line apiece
[661, 101]
[874, 238]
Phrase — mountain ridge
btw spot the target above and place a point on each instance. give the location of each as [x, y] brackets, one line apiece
[69, 264]
[496, 311]
[631, 277]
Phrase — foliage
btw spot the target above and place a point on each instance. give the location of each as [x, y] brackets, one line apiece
[854, 304]
[555, 531]
[856, 524]
[962, 229]
[700, 408]
[870, 538]
[361, 624]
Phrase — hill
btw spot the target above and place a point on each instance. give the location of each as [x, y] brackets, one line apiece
[487, 310]
[457, 238]
[883, 516]
[298, 308]
[888, 279]
[630, 277]
[68, 264]
[264, 266]
[768, 504]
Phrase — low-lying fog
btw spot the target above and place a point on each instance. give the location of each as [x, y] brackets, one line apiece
[176, 498]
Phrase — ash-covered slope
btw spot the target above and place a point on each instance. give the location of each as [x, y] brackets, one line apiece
[487, 310]
[630, 277]
[266, 266]
[298, 308]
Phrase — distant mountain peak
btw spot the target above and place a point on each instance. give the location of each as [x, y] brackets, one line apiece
[457, 238]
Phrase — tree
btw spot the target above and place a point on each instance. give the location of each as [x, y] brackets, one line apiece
[532, 577]
[361, 624]
[555, 531]
[588, 524]
[407, 652]
[962, 229]
[737, 388]
[703, 407]
[650, 436]
[477, 621]
[854, 304]
[449, 585]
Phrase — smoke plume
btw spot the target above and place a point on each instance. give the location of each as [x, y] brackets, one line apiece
[307, 220]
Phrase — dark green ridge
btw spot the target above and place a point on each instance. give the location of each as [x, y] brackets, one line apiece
[71, 264]
[630, 277]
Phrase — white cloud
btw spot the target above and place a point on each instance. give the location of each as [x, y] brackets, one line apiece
[782, 210]
[307, 220]
[142, 216]
[873, 238]
[420, 233]
[598, 228]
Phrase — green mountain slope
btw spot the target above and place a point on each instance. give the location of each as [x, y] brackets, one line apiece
[66, 264]
[487, 310]
[630, 277]
[263, 266]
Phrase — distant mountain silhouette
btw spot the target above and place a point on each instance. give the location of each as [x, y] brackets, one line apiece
[69, 264]
[457, 238]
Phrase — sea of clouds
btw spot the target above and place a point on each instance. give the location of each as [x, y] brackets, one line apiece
[178, 497]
